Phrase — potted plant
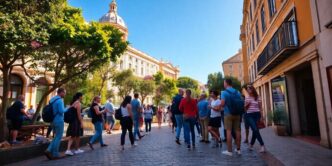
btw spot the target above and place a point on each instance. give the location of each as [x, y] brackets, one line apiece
[279, 119]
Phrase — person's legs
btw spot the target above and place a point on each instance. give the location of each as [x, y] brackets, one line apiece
[77, 143]
[246, 126]
[198, 127]
[192, 123]
[228, 122]
[124, 131]
[186, 130]
[237, 129]
[149, 123]
[112, 122]
[179, 123]
[256, 117]
[55, 144]
[14, 135]
[206, 132]
[98, 133]
[70, 142]
[136, 129]
[252, 124]
[49, 130]
[130, 130]
[201, 121]
[146, 125]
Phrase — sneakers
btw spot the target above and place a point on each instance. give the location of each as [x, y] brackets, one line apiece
[69, 153]
[188, 147]
[262, 150]
[251, 148]
[227, 153]
[133, 145]
[178, 141]
[48, 155]
[91, 146]
[238, 152]
[103, 145]
[78, 151]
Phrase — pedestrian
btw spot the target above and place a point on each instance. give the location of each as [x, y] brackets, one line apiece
[178, 114]
[188, 106]
[215, 118]
[16, 114]
[253, 106]
[136, 110]
[57, 124]
[159, 116]
[203, 112]
[148, 115]
[109, 115]
[232, 120]
[127, 121]
[97, 120]
[75, 128]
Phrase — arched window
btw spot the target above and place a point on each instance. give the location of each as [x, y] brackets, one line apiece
[16, 86]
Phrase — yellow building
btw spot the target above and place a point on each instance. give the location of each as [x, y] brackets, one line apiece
[283, 59]
[234, 66]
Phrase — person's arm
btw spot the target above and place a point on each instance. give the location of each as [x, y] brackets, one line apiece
[79, 116]
[246, 103]
[97, 111]
[130, 111]
[24, 112]
[181, 107]
[61, 106]
[222, 99]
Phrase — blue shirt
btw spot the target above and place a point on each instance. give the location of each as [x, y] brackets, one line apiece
[203, 109]
[110, 108]
[226, 97]
[58, 109]
[135, 105]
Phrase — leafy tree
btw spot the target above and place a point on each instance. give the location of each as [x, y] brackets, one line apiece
[75, 49]
[215, 81]
[145, 88]
[189, 83]
[158, 78]
[24, 26]
[165, 89]
[235, 81]
[126, 82]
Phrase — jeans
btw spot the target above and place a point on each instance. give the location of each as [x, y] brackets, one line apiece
[204, 126]
[136, 128]
[179, 124]
[148, 125]
[198, 127]
[252, 119]
[98, 133]
[189, 129]
[110, 121]
[53, 147]
[127, 124]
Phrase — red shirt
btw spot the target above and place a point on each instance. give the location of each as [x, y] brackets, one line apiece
[189, 108]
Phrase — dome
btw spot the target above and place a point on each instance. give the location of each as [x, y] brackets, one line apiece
[112, 16]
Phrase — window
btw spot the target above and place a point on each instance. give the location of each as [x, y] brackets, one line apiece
[257, 33]
[250, 12]
[255, 3]
[272, 7]
[142, 71]
[263, 19]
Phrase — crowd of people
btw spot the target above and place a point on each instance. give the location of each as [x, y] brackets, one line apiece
[227, 109]
[208, 114]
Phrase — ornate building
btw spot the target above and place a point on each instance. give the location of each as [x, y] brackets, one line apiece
[234, 66]
[141, 63]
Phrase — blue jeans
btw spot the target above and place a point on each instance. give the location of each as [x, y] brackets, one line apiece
[189, 129]
[136, 128]
[110, 121]
[252, 119]
[98, 133]
[179, 124]
[53, 147]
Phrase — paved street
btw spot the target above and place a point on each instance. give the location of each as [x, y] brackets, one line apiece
[157, 148]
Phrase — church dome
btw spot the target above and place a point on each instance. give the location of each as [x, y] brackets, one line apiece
[112, 16]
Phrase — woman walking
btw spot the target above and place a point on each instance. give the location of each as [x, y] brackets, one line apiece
[215, 118]
[126, 121]
[75, 128]
[159, 116]
[148, 115]
[97, 120]
[253, 106]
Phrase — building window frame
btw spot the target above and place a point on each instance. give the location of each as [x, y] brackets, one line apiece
[263, 21]
[272, 8]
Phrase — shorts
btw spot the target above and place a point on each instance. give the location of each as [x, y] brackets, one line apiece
[233, 122]
[215, 122]
[16, 124]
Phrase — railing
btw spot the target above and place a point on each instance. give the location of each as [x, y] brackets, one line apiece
[283, 42]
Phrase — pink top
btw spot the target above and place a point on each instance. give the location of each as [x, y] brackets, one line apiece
[253, 104]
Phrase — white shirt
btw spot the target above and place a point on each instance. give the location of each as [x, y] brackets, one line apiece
[215, 103]
[124, 112]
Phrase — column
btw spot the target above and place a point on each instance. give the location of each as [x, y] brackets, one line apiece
[292, 103]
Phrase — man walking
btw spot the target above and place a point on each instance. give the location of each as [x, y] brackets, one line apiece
[232, 115]
[57, 124]
[136, 109]
[204, 113]
[177, 114]
[188, 107]
[110, 115]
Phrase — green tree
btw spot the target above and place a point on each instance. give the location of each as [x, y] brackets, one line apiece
[75, 49]
[236, 83]
[126, 82]
[215, 81]
[158, 77]
[24, 26]
[145, 88]
[189, 83]
[165, 89]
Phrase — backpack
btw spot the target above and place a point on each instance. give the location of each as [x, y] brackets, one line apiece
[118, 114]
[69, 116]
[48, 112]
[236, 103]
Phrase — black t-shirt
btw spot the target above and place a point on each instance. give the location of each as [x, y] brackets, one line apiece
[95, 117]
[16, 108]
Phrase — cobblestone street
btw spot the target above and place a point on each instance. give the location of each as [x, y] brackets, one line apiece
[157, 148]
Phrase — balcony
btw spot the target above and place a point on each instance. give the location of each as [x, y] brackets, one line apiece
[283, 43]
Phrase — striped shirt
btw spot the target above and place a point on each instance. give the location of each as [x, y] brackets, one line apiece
[253, 104]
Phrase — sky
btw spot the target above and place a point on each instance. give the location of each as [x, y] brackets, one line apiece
[196, 35]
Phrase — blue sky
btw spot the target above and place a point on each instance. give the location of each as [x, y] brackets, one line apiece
[196, 35]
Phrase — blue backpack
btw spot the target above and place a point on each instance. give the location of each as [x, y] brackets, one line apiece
[48, 112]
[236, 103]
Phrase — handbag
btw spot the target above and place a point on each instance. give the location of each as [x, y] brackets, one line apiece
[260, 124]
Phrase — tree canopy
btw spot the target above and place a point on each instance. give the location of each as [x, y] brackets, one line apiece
[216, 82]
